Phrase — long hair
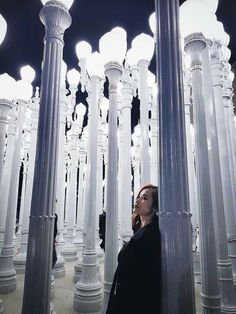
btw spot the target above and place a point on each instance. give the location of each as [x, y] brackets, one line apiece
[136, 221]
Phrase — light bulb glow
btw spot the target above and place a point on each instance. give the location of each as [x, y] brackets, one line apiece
[95, 64]
[113, 46]
[80, 109]
[7, 86]
[83, 49]
[152, 22]
[3, 28]
[27, 73]
[138, 44]
[73, 77]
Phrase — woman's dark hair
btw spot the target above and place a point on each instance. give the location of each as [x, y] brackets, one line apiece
[136, 222]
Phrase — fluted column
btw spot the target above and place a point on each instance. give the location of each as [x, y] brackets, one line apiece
[144, 124]
[190, 155]
[20, 259]
[36, 299]
[174, 217]
[7, 171]
[88, 294]
[228, 193]
[154, 141]
[225, 277]
[69, 250]
[113, 72]
[210, 297]
[5, 107]
[59, 268]
[7, 272]
[126, 201]
[100, 253]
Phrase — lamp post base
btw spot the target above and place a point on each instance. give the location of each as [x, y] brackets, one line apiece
[78, 271]
[88, 299]
[1, 308]
[19, 263]
[58, 270]
[7, 272]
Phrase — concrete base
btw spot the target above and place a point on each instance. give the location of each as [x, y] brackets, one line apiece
[78, 271]
[7, 272]
[69, 253]
[59, 269]
[88, 299]
[7, 281]
[19, 263]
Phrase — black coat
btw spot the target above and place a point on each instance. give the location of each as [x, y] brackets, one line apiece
[137, 280]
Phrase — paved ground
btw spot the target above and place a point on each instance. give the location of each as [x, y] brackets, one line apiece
[64, 293]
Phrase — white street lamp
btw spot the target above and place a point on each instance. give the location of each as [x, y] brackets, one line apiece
[89, 289]
[144, 56]
[3, 28]
[114, 55]
[83, 51]
[56, 18]
[7, 93]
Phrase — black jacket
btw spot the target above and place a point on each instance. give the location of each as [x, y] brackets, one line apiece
[137, 280]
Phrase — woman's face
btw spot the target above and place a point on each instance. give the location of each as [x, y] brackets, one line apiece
[143, 203]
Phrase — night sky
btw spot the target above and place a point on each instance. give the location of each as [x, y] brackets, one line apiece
[90, 20]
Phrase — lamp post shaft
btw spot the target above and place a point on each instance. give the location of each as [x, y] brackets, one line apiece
[113, 72]
[174, 217]
[36, 299]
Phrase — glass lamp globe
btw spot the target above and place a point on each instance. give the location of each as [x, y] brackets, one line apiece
[7, 86]
[80, 109]
[210, 5]
[190, 21]
[3, 28]
[121, 31]
[95, 64]
[23, 90]
[152, 22]
[132, 57]
[67, 3]
[73, 77]
[27, 73]
[113, 46]
[138, 44]
[83, 49]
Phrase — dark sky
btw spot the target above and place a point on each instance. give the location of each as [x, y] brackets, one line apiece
[91, 19]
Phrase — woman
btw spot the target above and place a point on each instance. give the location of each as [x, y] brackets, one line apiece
[137, 280]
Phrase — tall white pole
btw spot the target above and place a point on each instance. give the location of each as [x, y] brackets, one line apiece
[144, 123]
[126, 201]
[20, 259]
[89, 290]
[210, 296]
[36, 299]
[7, 271]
